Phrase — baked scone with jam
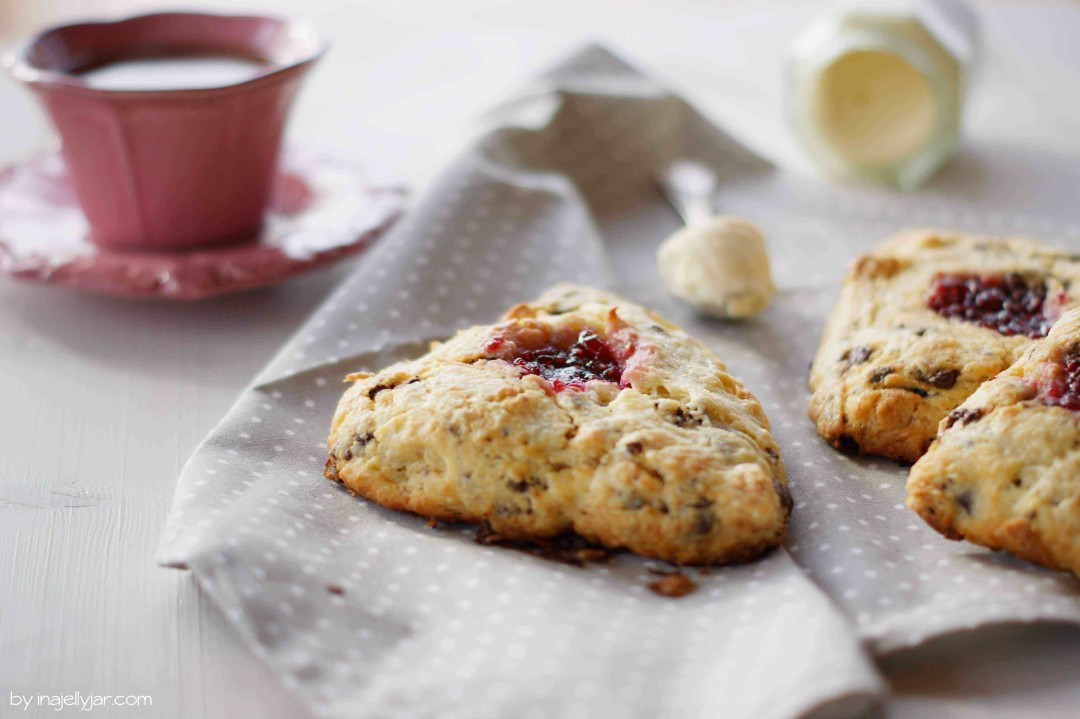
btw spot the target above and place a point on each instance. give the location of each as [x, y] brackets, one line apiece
[578, 414]
[1004, 471]
[923, 320]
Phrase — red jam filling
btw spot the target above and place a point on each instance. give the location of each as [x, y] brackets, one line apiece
[589, 359]
[1008, 303]
[1061, 386]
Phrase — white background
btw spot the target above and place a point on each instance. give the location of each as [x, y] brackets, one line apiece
[102, 400]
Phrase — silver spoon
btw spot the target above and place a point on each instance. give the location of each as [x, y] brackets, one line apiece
[719, 265]
[690, 188]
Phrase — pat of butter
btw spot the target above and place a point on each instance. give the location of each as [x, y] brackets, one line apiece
[719, 267]
[876, 89]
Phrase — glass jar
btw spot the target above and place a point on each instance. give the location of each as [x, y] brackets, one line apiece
[876, 89]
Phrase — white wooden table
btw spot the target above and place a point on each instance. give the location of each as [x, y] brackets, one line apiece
[102, 400]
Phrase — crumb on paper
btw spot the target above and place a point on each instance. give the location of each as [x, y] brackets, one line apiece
[673, 585]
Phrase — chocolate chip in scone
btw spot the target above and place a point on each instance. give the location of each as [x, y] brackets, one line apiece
[383, 387]
[673, 585]
[486, 535]
[880, 374]
[359, 442]
[684, 418]
[704, 523]
[916, 390]
[378, 388]
[847, 444]
[502, 509]
[963, 417]
[856, 355]
[944, 378]
[634, 447]
[784, 495]
[965, 500]
[940, 378]
[523, 485]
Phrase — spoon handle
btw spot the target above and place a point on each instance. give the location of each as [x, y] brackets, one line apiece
[690, 188]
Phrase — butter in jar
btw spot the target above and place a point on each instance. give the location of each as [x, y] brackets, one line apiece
[875, 90]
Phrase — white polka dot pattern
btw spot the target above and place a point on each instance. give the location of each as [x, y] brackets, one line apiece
[357, 606]
[900, 581]
[366, 612]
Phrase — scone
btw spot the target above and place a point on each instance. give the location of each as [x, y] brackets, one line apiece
[1005, 469]
[580, 413]
[922, 321]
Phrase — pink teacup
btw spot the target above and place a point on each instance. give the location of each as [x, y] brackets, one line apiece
[163, 156]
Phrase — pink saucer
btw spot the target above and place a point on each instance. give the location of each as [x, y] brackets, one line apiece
[322, 210]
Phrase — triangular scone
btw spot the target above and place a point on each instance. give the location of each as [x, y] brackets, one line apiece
[922, 321]
[579, 413]
[1005, 469]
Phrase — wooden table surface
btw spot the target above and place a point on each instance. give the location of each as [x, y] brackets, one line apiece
[102, 400]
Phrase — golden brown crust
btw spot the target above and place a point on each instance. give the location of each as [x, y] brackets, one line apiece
[889, 368]
[1004, 471]
[678, 464]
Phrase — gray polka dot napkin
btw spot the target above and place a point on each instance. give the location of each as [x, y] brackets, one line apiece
[370, 613]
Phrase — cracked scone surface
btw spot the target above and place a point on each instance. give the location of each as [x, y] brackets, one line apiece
[1004, 471]
[890, 368]
[669, 456]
